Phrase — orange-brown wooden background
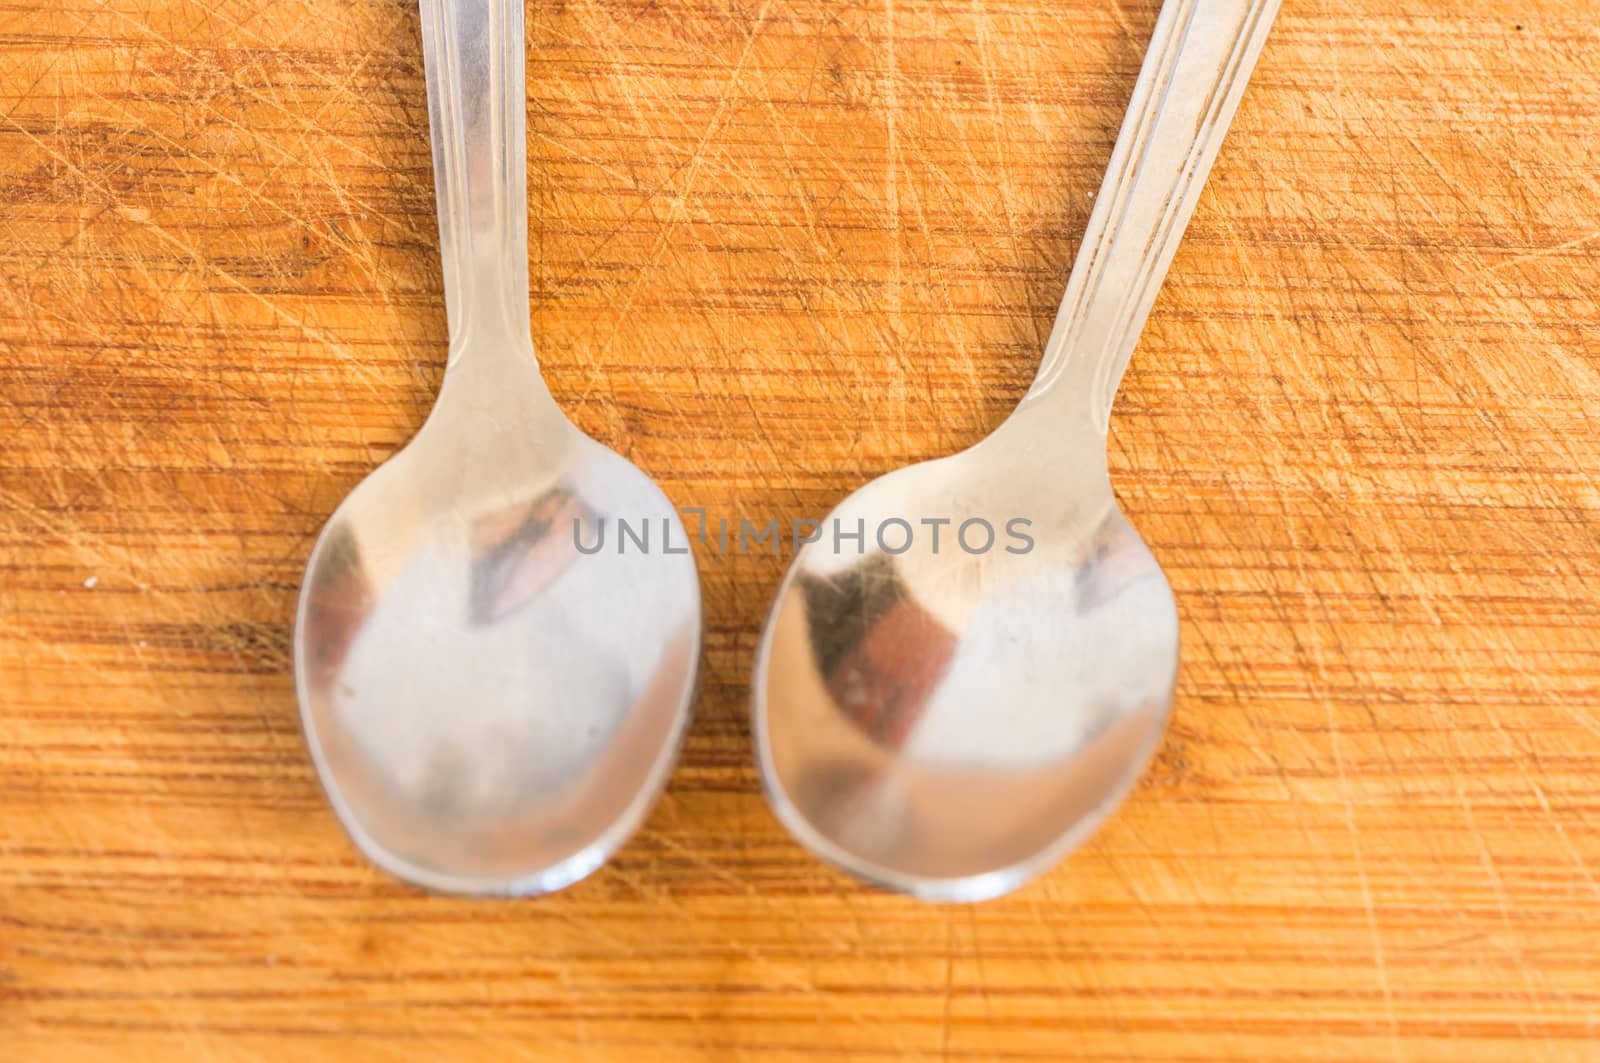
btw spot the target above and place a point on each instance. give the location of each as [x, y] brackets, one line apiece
[779, 247]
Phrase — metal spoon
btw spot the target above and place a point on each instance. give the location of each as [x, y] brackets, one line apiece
[951, 706]
[491, 701]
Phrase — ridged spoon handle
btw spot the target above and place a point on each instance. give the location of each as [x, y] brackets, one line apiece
[1200, 57]
[473, 64]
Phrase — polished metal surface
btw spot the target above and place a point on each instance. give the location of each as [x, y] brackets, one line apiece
[950, 715]
[492, 700]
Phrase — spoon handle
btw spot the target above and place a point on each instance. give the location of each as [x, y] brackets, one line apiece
[1200, 57]
[473, 65]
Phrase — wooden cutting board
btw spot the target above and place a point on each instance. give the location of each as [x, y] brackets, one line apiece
[779, 248]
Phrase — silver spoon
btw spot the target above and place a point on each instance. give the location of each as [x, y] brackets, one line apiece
[952, 705]
[493, 700]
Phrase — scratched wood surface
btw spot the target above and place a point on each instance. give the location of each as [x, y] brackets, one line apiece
[778, 248]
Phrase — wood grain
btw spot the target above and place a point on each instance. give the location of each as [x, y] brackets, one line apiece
[779, 248]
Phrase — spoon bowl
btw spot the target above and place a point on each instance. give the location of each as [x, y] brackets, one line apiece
[951, 707]
[491, 707]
